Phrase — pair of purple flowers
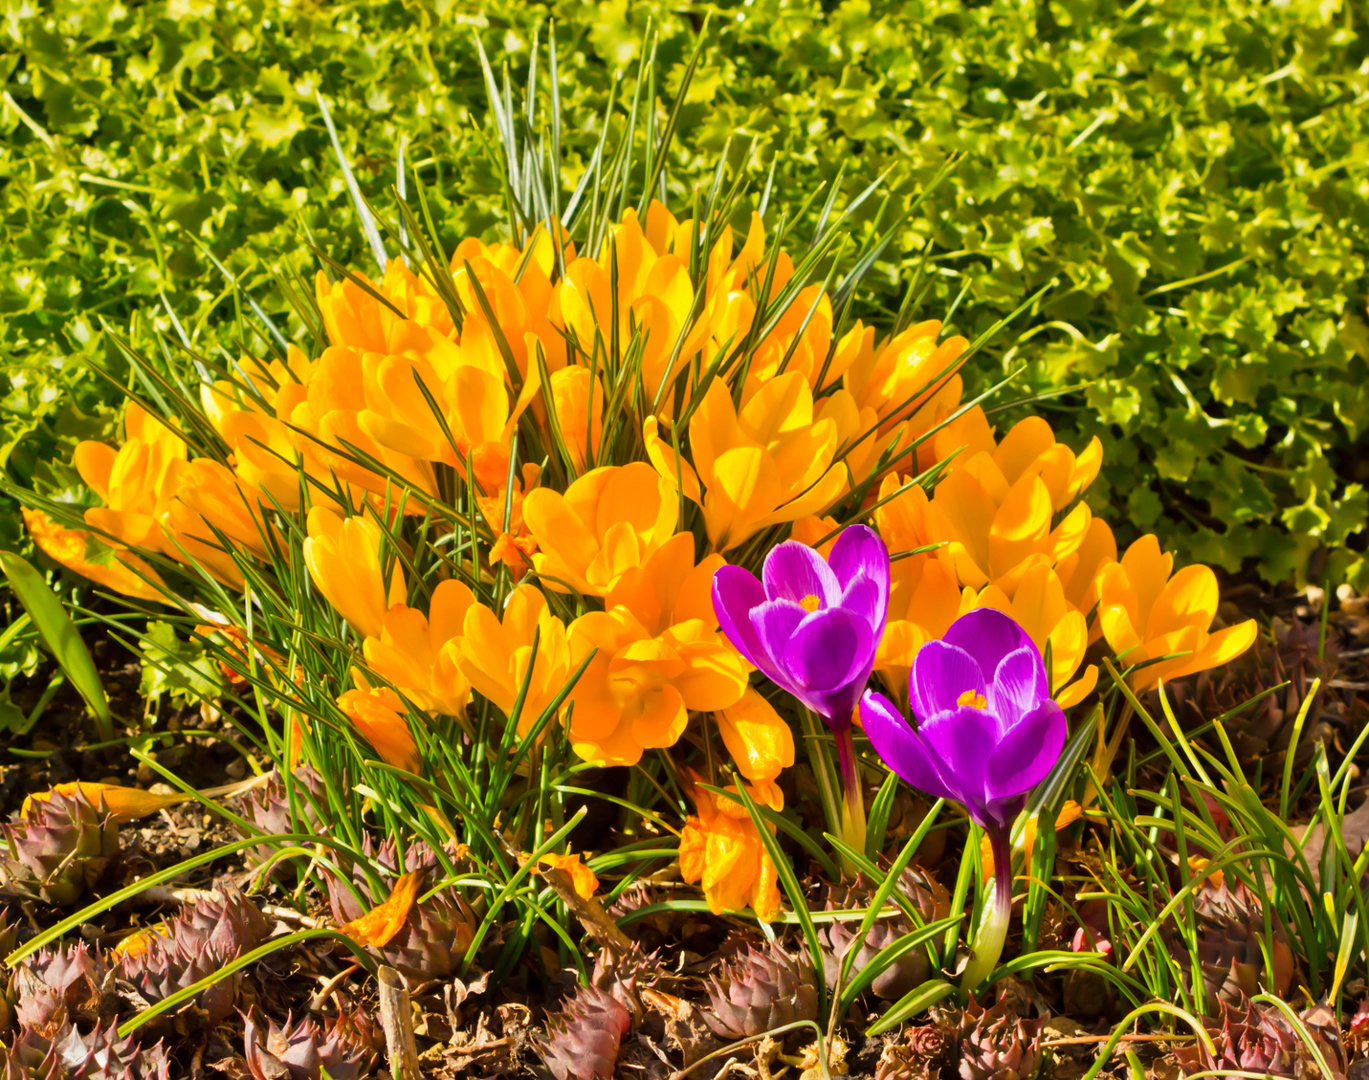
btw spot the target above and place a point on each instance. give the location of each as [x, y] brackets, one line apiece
[986, 729]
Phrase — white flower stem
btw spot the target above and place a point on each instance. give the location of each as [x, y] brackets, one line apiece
[993, 923]
[852, 829]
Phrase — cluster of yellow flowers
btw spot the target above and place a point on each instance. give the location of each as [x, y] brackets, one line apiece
[650, 388]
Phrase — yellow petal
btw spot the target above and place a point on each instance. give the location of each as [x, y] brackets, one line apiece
[757, 737]
[1022, 445]
[1189, 599]
[1019, 526]
[1078, 690]
[1147, 569]
[1222, 647]
[378, 715]
[95, 461]
[137, 944]
[679, 473]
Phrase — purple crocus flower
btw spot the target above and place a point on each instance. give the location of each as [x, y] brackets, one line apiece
[987, 733]
[987, 730]
[811, 625]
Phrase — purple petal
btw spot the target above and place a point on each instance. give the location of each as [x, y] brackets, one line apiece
[829, 650]
[1027, 752]
[941, 674]
[899, 747]
[735, 593]
[775, 622]
[963, 739]
[1019, 685]
[859, 549]
[863, 597]
[794, 571]
[988, 636]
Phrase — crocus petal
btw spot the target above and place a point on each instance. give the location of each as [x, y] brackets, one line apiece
[1078, 690]
[899, 746]
[962, 737]
[860, 550]
[775, 622]
[864, 597]
[941, 675]
[1224, 645]
[1018, 686]
[1027, 752]
[988, 636]
[735, 593]
[828, 649]
[794, 571]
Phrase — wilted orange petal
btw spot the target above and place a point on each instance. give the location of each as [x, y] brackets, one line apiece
[384, 921]
[581, 876]
[124, 803]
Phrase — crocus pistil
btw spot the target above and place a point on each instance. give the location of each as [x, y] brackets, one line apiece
[987, 733]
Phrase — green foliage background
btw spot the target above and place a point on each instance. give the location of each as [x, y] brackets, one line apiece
[1194, 178]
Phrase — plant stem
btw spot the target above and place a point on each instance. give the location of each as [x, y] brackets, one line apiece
[852, 829]
[993, 923]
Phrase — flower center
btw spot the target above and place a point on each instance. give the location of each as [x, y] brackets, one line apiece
[973, 699]
[810, 603]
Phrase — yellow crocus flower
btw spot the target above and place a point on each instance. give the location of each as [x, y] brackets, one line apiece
[757, 737]
[378, 715]
[331, 410]
[657, 655]
[721, 849]
[608, 521]
[769, 463]
[495, 655]
[343, 556]
[419, 653]
[352, 316]
[995, 531]
[909, 381]
[1029, 448]
[68, 547]
[1146, 614]
[135, 482]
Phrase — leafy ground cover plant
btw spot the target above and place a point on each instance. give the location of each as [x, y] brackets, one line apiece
[484, 557]
[1189, 177]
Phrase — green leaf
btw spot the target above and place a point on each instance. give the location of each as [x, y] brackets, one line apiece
[172, 665]
[912, 1004]
[59, 636]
